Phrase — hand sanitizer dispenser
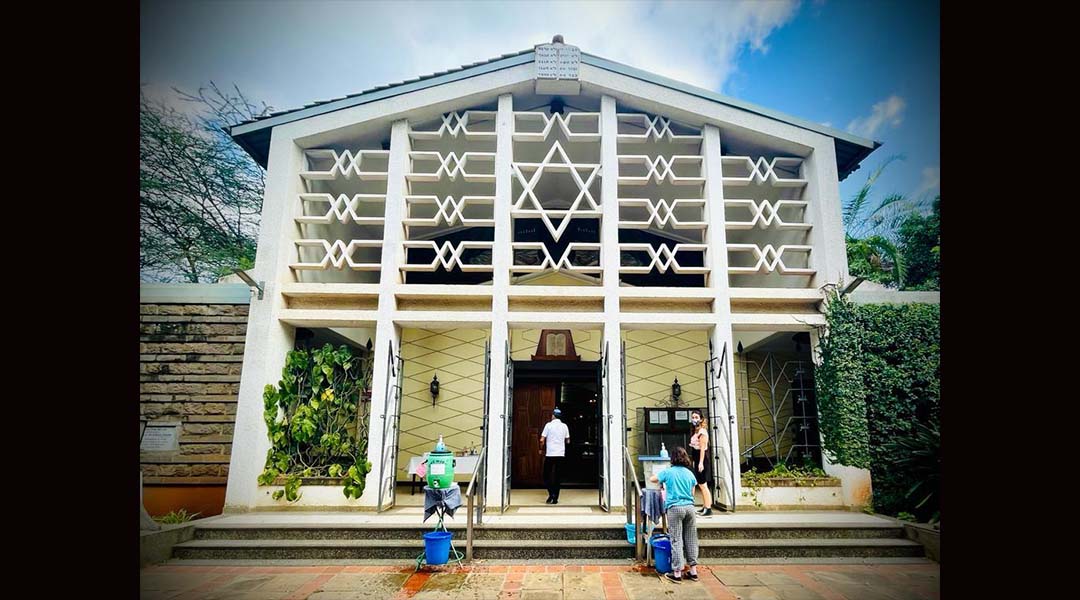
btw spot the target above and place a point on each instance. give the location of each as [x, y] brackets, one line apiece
[440, 472]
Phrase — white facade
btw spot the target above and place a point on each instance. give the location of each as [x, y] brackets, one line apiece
[743, 206]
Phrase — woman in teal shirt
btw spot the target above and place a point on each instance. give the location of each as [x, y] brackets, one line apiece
[679, 481]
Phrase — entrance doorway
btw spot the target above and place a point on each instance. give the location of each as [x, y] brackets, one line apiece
[540, 387]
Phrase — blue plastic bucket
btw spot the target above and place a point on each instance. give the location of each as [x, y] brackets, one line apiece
[631, 529]
[662, 554]
[437, 547]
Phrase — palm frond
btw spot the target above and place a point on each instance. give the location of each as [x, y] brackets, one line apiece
[854, 207]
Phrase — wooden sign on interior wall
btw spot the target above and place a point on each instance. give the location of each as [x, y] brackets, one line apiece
[555, 344]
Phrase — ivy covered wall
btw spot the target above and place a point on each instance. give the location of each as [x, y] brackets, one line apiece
[879, 378]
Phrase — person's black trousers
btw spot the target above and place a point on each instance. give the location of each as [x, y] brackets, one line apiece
[553, 466]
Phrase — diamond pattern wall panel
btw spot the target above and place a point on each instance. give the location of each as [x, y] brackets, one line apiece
[457, 357]
[653, 360]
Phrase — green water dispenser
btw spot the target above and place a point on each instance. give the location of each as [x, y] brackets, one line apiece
[440, 467]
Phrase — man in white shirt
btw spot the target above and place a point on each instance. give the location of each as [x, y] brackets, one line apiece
[554, 437]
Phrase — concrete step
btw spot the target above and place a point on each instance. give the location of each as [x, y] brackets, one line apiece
[496, 549]
[399, 533]
[536, 532]
[395, 549]
[782, 532]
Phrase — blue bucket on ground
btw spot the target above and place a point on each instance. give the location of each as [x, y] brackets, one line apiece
[437, 547]
[631, 529]
[661, 553]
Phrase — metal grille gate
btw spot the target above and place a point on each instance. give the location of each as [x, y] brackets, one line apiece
[721, 437]
[391, 417]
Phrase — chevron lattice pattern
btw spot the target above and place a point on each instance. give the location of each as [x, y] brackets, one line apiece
[656, 153]
[342, 208]
[445, 165]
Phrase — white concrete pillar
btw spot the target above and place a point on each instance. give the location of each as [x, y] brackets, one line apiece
[501, 260]
[267, 339]
[720, 334]
[386, 332]
[609, 257]
[855, 483]
[829, 254]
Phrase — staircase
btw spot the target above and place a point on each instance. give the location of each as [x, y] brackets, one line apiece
[534, 536]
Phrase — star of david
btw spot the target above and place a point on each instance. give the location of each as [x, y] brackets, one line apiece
[562, 164]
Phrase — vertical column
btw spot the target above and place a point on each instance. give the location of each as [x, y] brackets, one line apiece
[855, 483]
[720, 335]
[267, 339]
[829, 255]
[609, 257]
[386, 333]
[501, 260]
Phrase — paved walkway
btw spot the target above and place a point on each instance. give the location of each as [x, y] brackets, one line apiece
[899, 581]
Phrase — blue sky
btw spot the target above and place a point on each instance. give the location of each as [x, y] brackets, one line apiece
[867, 66]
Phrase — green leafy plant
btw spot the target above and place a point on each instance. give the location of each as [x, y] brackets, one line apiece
[315, 421]
[905, 516]
[878, 380]
[893, 243]
[177, 516]
[919, 454]
[800, 474]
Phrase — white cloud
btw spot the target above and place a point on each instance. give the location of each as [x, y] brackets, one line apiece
[697, 43]
[931, 181]
[889, 111]
[294, 53]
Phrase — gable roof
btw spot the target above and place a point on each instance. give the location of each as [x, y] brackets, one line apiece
[254, 135]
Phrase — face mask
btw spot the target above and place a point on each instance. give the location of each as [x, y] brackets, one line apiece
[695, 421]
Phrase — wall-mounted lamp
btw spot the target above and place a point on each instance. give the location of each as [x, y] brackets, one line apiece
[738, 349]
[676, 392]
[434, 388]
[251, 282]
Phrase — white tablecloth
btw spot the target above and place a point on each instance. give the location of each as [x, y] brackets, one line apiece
[463, 465]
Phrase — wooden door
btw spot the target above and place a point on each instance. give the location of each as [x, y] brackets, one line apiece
[533, 403]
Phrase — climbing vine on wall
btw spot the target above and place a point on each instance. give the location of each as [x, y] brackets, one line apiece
[316, 422]
[879, 384]
[841, 393]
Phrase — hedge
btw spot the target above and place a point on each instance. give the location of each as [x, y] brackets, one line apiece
[879, 376]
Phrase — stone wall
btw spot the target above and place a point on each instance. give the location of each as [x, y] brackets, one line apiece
[189, 375]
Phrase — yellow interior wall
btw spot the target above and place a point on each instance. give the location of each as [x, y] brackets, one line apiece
[523, 343]
[556, 278]
[653, 360]
[457, 356]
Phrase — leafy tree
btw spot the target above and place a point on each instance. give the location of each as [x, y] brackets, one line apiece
[920, 242]
[200, 195]
[875, 247]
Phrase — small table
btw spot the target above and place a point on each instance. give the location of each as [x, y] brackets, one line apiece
[463, 465]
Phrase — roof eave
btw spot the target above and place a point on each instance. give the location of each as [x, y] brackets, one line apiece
[246, 134]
